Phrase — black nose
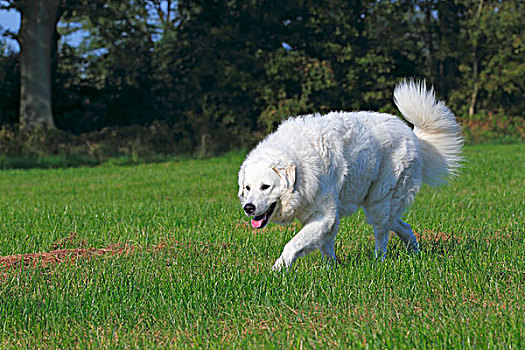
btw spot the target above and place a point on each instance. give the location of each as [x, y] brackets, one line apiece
[249, 208]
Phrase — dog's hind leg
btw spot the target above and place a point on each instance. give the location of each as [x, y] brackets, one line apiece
[381, 233]
[403, 230]
[377, 216]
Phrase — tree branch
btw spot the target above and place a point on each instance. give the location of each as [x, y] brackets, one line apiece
[12, 35]
[8, 5]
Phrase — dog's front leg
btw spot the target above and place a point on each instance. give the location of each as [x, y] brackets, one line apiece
[315, 233]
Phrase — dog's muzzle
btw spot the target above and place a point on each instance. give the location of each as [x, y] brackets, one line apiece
[260, 221]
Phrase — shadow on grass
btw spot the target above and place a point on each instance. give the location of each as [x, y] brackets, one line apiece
[431, 243]
[55, 162]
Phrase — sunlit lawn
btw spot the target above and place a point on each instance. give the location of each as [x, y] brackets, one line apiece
[185, 269]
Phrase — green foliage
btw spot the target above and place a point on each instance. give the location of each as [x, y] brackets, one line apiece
[10, 87]
[212, 70]
[294, 84]
[194, 273]
[493, 127]
[224, 73]
[107, 80]
[491, 64]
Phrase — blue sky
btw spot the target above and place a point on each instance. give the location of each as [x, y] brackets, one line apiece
[10, 20]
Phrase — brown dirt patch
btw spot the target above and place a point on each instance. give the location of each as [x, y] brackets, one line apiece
[430, 236]
[61, 255]
[73, 255]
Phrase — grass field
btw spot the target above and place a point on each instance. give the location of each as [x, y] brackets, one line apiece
[179, 266]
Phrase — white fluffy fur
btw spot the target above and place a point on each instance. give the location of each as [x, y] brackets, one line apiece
[436, 128]
[319, 169]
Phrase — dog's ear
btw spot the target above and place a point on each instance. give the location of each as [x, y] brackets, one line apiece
[241, 181]
[287, 175]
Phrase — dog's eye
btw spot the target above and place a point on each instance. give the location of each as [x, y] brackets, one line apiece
[247, 188]
[265, 187]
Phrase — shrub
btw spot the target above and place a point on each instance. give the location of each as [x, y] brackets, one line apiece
[52, 148]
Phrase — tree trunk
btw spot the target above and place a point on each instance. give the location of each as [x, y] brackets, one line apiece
[430, 39]
[36, 36]
[473, 97]
[475, 73]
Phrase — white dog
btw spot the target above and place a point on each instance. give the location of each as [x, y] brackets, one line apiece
[320, 168]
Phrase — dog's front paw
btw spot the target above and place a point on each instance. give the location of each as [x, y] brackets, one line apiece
[281, 264]
[278, 266]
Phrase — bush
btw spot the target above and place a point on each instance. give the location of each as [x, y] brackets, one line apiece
[55, 148]
[493, 126]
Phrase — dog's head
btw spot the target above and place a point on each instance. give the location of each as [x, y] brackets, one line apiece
[264, 189]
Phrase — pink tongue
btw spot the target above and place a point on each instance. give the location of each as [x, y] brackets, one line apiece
[257, 223]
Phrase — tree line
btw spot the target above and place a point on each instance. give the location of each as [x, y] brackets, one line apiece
[225, 72]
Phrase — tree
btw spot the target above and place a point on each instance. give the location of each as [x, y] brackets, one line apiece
[105, 80]
[474, 34]
[489, 61]
[211, 68]
[496, 40]
[38, 45]
[118, 52]
[10, 87]
[385, 53]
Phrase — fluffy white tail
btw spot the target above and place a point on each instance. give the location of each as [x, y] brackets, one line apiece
[436, 128]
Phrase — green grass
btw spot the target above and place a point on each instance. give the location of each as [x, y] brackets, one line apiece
[199, 276]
